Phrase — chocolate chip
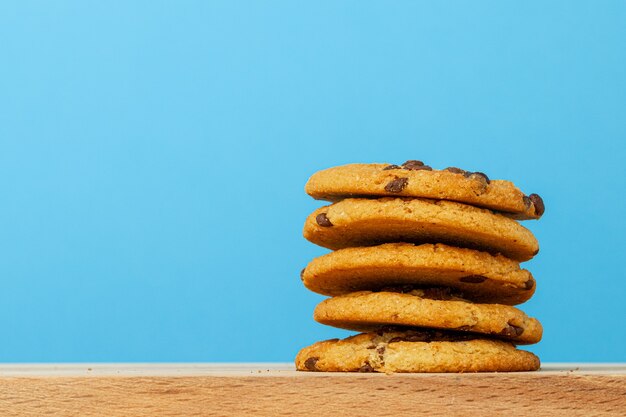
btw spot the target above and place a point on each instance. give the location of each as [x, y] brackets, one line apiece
[529, 284]
[323, 220]
[413, 162]
[396, 185]
[310, 363]
[302, 274]
[455, 170]
[518, 330]
[371, 347]
[512, 331]
[473, 279]
[388, 167]
[538, 203]
[381, 350]
[414, 165]
[366, 368]
[478, 176]
[527, 202]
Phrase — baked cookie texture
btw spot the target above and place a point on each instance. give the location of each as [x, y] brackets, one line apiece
[414, 179]
[426, 264]
[414, 351]
[479, 276]
[366, 222]
[429, 308]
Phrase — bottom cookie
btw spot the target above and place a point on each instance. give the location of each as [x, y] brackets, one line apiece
[414, 351]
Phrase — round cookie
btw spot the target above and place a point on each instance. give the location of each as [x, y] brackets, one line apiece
[431, 308]
[414, 351]
[366, 222]
[479, 276]
[414, 179]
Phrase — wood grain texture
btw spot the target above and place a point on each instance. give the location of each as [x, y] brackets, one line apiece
[276, 390]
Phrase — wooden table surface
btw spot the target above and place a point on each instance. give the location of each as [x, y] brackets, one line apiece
[270, 389]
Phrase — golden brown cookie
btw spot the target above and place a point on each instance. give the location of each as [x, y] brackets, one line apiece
[437, 308]
[414, 351]
[479, 276]
[366, 222]
[414, 179]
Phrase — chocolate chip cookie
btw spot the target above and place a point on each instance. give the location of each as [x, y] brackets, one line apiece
[414, 351]
[415, 179]
[479, 276]
[438, 308]
[366, 222]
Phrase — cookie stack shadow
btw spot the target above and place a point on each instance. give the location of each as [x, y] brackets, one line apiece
[425, 265]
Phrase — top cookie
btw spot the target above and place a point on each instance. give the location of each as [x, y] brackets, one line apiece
[414, 179]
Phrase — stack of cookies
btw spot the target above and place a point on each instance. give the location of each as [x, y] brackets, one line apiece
[426, 265]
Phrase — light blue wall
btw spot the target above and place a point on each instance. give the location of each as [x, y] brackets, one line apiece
[153, 157]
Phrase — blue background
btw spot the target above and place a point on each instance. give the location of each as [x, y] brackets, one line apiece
[153, 156]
